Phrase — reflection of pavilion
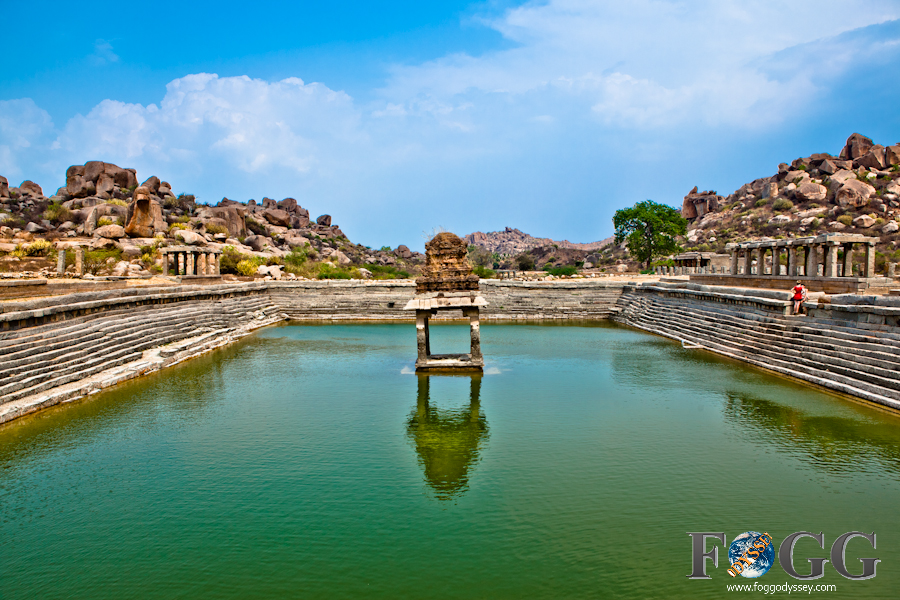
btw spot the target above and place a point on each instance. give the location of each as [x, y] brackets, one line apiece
[447, 440]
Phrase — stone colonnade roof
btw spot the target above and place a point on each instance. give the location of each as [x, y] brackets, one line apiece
[827, 238]
[200, 249]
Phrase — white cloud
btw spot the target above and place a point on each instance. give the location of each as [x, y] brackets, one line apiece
[646, 62]
[26, 131]
[103, 53]
[207, 121]
[585, 83]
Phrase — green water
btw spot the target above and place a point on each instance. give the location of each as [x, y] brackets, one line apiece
[308, 462]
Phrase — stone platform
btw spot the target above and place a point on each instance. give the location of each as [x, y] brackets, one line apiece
[450, 363]
[829, 285]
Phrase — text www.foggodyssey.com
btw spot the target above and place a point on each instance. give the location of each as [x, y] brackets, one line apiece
[784, 588]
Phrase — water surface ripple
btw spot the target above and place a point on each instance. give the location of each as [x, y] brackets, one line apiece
[307, 461]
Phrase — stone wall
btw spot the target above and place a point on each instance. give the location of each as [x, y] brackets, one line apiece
[850, 344]
[560, 299]
[59, 348]
[384, 300]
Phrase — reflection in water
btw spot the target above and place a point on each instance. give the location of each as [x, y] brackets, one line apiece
[447, 440]
[834, 444]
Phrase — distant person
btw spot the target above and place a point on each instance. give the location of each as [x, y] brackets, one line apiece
[799, 296]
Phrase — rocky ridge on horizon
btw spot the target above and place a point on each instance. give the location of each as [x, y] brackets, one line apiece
[511, 242]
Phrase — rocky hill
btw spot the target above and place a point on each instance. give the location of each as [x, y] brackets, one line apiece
[857, 191]
[511, 242]
[103, 208]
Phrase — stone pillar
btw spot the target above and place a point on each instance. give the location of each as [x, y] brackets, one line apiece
[165, 262]
[831, 260]
[812, 260]
[748, 261]
[734, 261]
[848, 260]
[776, 260]
[869, 264]
[422, 334]
[474, 333]
[892, 269]
[61, 262]
[761, 261]
[79, 261]
[189, 269]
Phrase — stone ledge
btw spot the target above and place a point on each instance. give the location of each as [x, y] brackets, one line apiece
[152, 360]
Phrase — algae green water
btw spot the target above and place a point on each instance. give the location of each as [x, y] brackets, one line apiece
[309, 462]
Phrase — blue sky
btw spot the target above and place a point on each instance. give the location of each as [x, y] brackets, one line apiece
[399, 117]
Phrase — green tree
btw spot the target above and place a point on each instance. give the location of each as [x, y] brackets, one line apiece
[525, 262]
[649, 229]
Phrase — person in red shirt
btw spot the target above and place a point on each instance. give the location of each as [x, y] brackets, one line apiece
[799, 296]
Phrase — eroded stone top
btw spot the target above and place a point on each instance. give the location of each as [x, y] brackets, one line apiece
[446, 268]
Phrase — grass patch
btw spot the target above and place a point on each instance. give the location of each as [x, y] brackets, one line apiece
[96, 261]
[484, 272]
[783, 204]
[215, 229]
[558, 271]
[57, 213]
[387, 272]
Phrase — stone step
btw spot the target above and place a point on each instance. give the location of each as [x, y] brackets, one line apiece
[751, 349]
[818, 377]
[88, 348]
[102, 328]
[142, 336]
[870, 374]
[805, 341]
[71, 330]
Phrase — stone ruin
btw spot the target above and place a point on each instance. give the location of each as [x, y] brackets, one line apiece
[448, 284]
[446, 268]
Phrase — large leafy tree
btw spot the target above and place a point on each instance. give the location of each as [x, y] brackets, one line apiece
[649, 229]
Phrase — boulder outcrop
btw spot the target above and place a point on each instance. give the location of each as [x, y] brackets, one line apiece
[144, 217]
[854, 193]
[112, 232]
[696, 204]
[95, 213]
[232, 216]
[857, 146]
[30, 188]
[97, 177]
